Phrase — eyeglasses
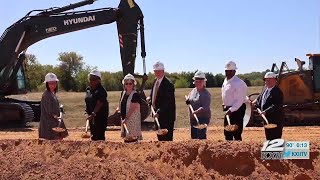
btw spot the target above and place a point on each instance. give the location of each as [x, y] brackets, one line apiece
[128, 83]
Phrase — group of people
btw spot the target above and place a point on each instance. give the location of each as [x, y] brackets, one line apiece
[162, 100]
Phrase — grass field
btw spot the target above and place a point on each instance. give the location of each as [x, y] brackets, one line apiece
[75, 106]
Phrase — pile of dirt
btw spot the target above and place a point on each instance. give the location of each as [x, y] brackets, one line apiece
[39, 159]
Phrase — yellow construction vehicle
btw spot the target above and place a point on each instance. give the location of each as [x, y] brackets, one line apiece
[301, 90]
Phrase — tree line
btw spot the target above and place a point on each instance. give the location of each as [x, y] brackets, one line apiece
[73, 75]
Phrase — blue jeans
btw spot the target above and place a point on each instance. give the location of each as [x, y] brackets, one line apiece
[199, 133]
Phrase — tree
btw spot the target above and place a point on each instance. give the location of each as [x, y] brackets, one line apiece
[219, 78]
[33, 72]
[210, 80]
[181, 83]
[248, 83]
[70, 65]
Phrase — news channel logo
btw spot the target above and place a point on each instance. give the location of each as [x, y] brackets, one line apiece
[280, 149]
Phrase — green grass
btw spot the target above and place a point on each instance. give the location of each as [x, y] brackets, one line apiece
[74, 105]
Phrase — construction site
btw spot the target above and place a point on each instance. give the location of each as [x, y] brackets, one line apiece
[23, 155]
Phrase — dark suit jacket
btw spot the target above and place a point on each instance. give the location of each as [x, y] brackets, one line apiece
[273, 105]
[166, 102]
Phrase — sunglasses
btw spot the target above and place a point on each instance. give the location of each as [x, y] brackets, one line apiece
[128, 83]
[93, 79]
[197, 81]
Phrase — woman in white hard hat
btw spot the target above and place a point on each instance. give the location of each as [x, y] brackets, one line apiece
[129, 107]
[97, 106]
[270, 102]
[50, 111]
[200, 99]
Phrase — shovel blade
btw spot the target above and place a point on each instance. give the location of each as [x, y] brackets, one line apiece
[231, 128]
[130, 139]
[162, 132]
[270, 126]
[58, 129]
[85, 135]
[201, 126]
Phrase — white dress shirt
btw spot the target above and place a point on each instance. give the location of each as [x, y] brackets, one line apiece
[234, 92]
[154, 88]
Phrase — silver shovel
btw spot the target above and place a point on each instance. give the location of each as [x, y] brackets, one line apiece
[198, 126]
[230, 127]
[160, 131]
[59, 129]
[127, 139]
[267, 126]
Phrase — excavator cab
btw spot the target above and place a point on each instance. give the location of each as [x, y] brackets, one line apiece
[314, 65]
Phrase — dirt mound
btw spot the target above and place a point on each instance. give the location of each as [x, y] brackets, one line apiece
[38, 159]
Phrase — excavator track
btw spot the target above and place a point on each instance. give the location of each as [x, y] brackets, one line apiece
[17, 113]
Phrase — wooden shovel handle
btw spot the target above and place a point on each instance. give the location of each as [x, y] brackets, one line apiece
[263, 116]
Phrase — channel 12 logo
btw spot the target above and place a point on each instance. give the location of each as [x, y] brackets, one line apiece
[280, 149]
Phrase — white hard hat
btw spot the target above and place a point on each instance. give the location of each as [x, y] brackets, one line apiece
[50, 77]
[129, 77]
[158, 66]
[95, 73]
[230, 66]
[270, 75]
[199, 75]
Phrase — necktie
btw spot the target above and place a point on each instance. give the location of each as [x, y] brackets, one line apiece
[264, 98]
[155, 93]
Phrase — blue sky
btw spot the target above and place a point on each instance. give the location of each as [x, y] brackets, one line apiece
[190, 35]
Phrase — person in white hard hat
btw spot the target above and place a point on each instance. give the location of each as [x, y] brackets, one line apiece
[200, 99]
[50, 110]
[234, 92]
[270, 102]
[97, 106]
[129, 108]
[162, 99]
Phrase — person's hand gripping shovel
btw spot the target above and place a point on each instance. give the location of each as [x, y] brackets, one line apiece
[230, 127]
[59, 129]
[198, 126]
[267, 126]
[160, 131]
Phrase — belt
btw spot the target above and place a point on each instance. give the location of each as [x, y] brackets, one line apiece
[225, 108]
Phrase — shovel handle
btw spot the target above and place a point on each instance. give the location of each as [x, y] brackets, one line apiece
[155, 118]
[125, 128]
[228, 119]
[87, 125]
[192, 111]
[59, 124]
[263, 116]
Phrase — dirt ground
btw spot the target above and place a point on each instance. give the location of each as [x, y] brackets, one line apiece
[23, 156]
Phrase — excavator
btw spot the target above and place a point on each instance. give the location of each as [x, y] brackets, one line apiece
[301, 94]
[41, 24]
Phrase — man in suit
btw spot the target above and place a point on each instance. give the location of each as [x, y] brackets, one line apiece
[270, 102]
[163, 101]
